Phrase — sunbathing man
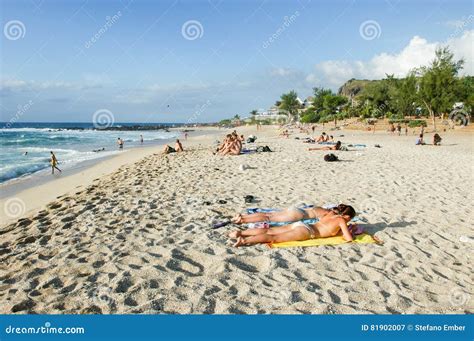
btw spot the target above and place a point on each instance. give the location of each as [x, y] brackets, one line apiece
[337, 146]
[331, 224]
[177, 148]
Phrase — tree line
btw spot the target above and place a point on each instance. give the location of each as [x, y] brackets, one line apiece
[430, 91]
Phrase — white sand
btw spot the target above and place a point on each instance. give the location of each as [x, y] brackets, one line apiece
[138, 240]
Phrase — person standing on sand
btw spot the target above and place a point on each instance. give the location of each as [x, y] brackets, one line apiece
[185, 136]
[53, 161]
[399, 129]
[120, 143]
[406, 129]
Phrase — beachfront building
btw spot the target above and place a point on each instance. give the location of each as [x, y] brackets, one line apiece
[272, 114]
[308, 102]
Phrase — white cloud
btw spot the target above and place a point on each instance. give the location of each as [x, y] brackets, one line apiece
[418, 52]
[22, 85]
[283, 72]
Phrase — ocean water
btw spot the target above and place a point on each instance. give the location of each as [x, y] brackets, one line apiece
[70, 145]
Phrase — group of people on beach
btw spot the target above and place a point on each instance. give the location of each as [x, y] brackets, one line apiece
[436, 140]
[232, 144]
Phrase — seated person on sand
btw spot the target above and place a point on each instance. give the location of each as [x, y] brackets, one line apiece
[232, 146]
[337, 146]
[329, 225]
[436, 139]
[177, 148]
[419, 141]
[224, 143]
[323, 138]
[285, 133]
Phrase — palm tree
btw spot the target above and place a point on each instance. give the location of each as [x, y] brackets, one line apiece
[290, 104]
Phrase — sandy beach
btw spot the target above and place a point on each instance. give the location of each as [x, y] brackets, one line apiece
[133, 234]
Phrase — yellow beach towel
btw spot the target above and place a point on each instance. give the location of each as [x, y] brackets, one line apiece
[363, 238]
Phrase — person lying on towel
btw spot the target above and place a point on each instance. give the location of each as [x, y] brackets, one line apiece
[329, 224]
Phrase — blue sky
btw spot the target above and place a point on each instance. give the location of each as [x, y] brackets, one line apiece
[143, 67]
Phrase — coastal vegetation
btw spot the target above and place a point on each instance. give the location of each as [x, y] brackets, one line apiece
[433, 91]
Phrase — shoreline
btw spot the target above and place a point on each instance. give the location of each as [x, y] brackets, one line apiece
[138, 239]
[80, 175]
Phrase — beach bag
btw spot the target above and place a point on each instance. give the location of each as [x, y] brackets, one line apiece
[251, 139]
[263, 149]
[330, 158]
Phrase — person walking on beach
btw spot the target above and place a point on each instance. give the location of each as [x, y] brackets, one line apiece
[399, 129]
[186, 136]
[53, 161]
[141, 139]
[120, 143]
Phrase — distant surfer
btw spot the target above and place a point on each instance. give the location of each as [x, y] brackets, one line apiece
[54, 163]
[141, 139]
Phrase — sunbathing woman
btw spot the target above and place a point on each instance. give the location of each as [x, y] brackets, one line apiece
[337, 146]
[289, 214]
[331, 224]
